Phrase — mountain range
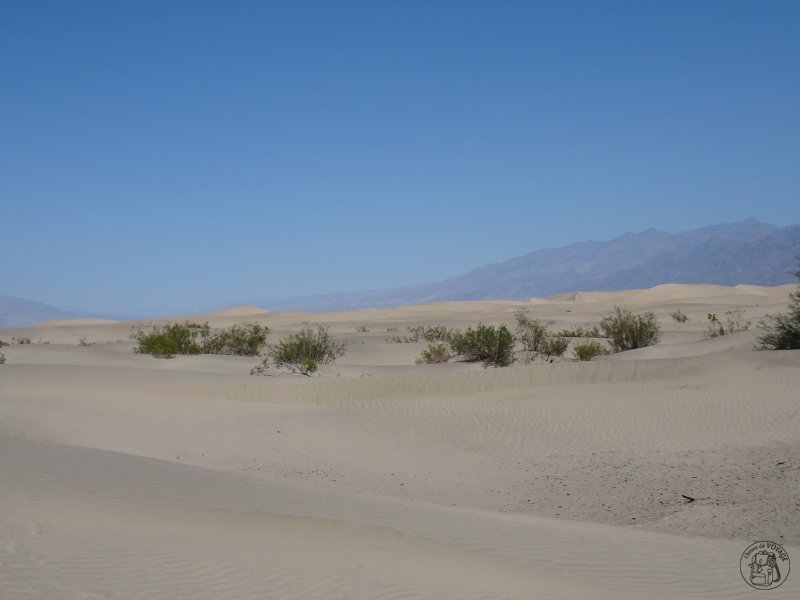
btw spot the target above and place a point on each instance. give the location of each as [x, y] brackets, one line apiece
[745, 252]
[18, 312]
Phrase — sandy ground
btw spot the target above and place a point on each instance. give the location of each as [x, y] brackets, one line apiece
[126, 476]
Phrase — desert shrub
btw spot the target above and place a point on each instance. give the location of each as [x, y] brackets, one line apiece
[238, 340]
[581, 332]
[531, 333]
[535, 337]
[493, 346]
[436, 353]
[301, 352]
[84, 342]
[402, 339]
[173, 338]
[414, 337]
[554, 346]
[2, 358]
[2, 343]
[732, 324]
[22, 340]
[362, 329]
[391, 329]
[626, 331]
[782, 331]
[588, 350]
[430, 333]
[679, 316]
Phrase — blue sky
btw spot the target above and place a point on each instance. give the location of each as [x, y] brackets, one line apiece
[177, 155]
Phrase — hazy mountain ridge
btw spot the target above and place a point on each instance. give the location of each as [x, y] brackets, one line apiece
[18, 312]
[745, 252]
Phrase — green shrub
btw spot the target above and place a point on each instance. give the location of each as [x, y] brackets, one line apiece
[429, 333]
[782, 332]
[238, 340]
[301, 352]
[554, 346]
[493, 346]
[531, 333]
[679, 316]
[197, 338]
[580, 332]
[588, 350]
[732, 324]
[173, 338]
[436, 353]
[626, 331]
[536, 338]
[402, 339]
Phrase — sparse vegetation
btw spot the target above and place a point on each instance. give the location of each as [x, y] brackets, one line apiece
[362, 329]
[301, 352]
[430, 333]
[626, 331]
[84, 342]
[555, 346]
[782, 331]
[531, 333]
[2, 358]
[732, 324]
[580, 332]
[491, 345]
[165, 341]
[168, 340]
[679, 316]
[2, 343]
[20, 341]
[588, 350]
[238, 340]
[436, 353]
[535, 337]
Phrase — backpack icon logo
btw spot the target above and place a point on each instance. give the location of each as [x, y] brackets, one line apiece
[764, 565]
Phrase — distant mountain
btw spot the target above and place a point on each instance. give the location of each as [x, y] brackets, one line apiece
[747, 252]
[730, 254]
[18, 312]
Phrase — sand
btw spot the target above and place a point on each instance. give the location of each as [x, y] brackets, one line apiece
[126, 476]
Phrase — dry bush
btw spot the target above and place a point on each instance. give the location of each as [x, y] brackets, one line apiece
[626, 331]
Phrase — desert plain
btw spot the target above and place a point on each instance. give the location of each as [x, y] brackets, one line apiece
[127, 476]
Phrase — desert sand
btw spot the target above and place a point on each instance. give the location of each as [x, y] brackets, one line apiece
[127, 476]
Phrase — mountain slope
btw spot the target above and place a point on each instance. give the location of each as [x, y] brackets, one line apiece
[729, 254]
[18, 312]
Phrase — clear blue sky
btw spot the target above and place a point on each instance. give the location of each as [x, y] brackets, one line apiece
[177, 155]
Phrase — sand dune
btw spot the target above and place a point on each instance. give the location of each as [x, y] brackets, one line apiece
[238, 311]
[126, 476]
[79, 322]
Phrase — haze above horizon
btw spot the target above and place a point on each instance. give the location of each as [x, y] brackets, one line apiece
[190, 153]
